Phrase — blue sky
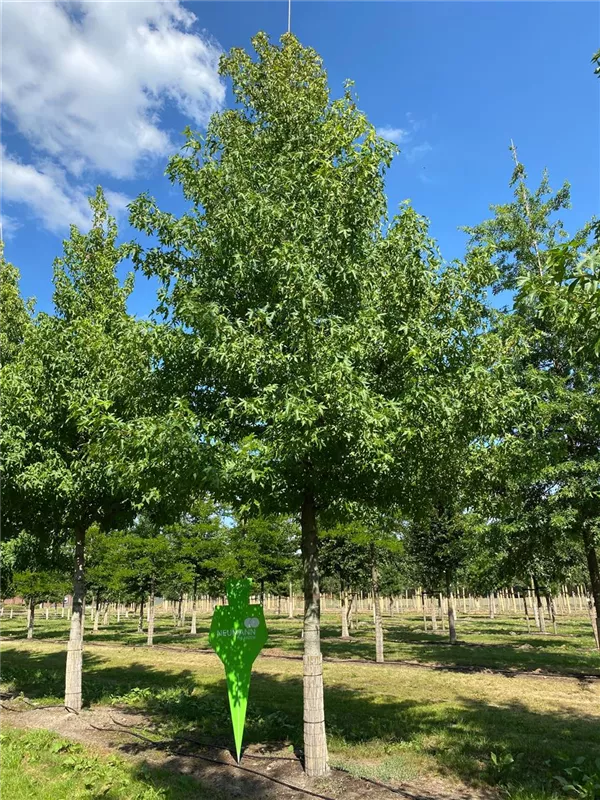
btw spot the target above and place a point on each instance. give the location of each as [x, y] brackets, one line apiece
[99, 93]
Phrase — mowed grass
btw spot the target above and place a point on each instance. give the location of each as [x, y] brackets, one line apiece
[502, 643]
[392, 723]
[39, 765]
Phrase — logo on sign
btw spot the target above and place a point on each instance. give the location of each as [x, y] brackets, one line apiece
[251, 622]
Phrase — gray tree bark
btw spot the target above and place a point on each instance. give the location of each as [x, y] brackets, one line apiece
[451, 615]
[141, 617]
[344, 611]
[30, 618]
[377, 612]
[74, 668]
[594, 570]
[315, 741]
[194, 605]
[540, 606]
[150, 641]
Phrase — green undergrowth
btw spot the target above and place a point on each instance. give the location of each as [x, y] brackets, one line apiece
[39, 765]
[513, 734]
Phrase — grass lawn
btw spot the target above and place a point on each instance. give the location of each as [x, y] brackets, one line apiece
[502, 643]
[392, 723]
[39, 765]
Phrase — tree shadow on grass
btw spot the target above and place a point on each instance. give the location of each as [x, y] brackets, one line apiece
[460, 734]
[41, 674]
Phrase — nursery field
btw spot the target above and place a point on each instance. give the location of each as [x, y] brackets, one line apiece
[503, 711]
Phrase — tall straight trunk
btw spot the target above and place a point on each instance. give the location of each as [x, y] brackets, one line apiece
[74, 668]
[567, 600]
[30, 617]
[352, 602]
[194, 605]
[540, 605]
[97, 606]
[291, 601]
[551, 611]
[377, 612]
[526, 611]
[150, 641]
[118, 611]
[594, 570]
[179, 611]
[424, 602]
[315, 741]
[531, 594]
[440, 600]
[344, 611]
[593, 620]
[492, 605]
[451, 614]
[434, 625]
[141, 617]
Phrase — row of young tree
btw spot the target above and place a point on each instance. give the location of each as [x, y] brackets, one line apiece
[427, 567]
[312, 359]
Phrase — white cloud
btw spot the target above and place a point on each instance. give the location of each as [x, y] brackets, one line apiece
[393, 134]
[86, 82]
[8, 227]
[45, 190]
[418, 151]
[406, 136]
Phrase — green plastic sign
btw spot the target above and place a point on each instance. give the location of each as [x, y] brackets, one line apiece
[238, 633]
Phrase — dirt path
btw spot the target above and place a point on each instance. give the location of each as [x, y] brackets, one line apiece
[264, 774]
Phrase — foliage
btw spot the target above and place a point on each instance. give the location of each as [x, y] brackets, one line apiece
[87, 435]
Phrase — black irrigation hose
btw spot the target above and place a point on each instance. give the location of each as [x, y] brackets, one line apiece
[167, 745]
[176, 751]
[272, 758]
[211, 746]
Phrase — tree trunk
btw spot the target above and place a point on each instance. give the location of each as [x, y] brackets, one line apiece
[594, 570]
[97, 606]
[315, 742]
[150, 641]
[540, 605]
[593, 620]
[552, 611]
[531, 593]
[451, 615]
[377, 610]
[424, 602]
[262, 593]
[344, 606]
[74, 668]
[442, 611]
[526, 611]
[291, 601]
[30, 618]
[351, 607]
[141, 617]
[492, 607]
[194, 604]
[434, 625]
